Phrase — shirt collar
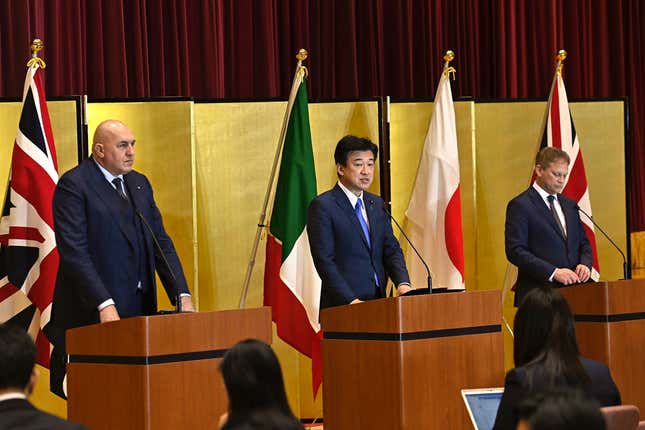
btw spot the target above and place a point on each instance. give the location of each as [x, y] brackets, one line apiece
[543, 193]
[108, 176]
[15, 395]
[353, 198]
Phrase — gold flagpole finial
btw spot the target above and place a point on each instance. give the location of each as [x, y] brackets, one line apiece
[302, 56]
[36, 46]
[447, 69]
[562, 55]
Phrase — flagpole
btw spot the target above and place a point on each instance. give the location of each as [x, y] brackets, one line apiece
[297, 78]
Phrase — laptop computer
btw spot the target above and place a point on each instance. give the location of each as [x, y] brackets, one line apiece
[482, 405]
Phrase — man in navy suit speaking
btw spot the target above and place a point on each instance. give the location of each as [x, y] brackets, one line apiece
[544, 235]
[105, 216]
[350, 235]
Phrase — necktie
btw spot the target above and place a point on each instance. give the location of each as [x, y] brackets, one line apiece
[118, 183]
[551, 200]
[366, 231]
[359, 215]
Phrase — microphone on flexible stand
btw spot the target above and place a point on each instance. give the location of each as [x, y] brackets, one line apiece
[411, 245]
[626, 269]
[165, 260]
[163, 255]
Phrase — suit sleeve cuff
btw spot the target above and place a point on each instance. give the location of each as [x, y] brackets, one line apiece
[105, 304]
[552, 275]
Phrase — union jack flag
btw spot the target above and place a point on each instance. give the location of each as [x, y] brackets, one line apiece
[560, 132]
[28, 253]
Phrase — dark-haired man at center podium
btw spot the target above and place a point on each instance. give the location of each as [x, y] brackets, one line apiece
[350, 235]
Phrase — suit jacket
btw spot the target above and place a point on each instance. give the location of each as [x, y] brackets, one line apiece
[20, 414]
[97, 238]
[343, 259]
[535, 244]
[602, 389]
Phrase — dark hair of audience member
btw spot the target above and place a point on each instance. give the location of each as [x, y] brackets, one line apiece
[257, 398]
[17, 357]
[561, 409]
[545, 341]
[349, 144]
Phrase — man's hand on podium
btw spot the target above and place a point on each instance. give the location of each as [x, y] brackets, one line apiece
[109, 313]
[403, 288]
[353, 302]
[187, 304]
[583, 272]
[566, 276]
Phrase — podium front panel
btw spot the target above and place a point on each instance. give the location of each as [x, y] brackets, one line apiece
[610, 327]
[401, 363]
[158, 372]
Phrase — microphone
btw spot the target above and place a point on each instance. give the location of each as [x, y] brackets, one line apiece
[626, 269]
[158, 246]
[411, 245]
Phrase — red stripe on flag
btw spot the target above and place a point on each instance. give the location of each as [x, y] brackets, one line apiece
[40, 294]
[33, 183]
[577, 184]
[25, 233]
[43, 350]
[288, 313]
[7, 290]
[453, 232]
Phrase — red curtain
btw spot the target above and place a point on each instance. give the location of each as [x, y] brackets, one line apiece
[358, 48]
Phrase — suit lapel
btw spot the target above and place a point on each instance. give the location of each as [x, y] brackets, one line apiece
[115, 204]
[343, 202]
[545, 212]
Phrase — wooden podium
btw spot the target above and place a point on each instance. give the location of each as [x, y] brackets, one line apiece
[400, 363]
[156, 372]
[610, 326]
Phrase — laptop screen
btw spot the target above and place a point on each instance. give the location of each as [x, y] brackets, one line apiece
[482, 405]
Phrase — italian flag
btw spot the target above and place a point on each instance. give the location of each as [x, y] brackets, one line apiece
[291, 283]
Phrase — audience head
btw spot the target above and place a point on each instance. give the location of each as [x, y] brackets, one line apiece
[563, 409]
[255, 388]
[543, 323]
[545, 340]
[17, 360]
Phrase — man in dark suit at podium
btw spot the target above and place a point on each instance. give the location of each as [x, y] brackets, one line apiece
[544, 235]
[350, 235]
[18, 376]
[106, 222]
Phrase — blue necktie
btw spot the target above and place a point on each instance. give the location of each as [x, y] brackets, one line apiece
[366, 231]
[359, 215]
